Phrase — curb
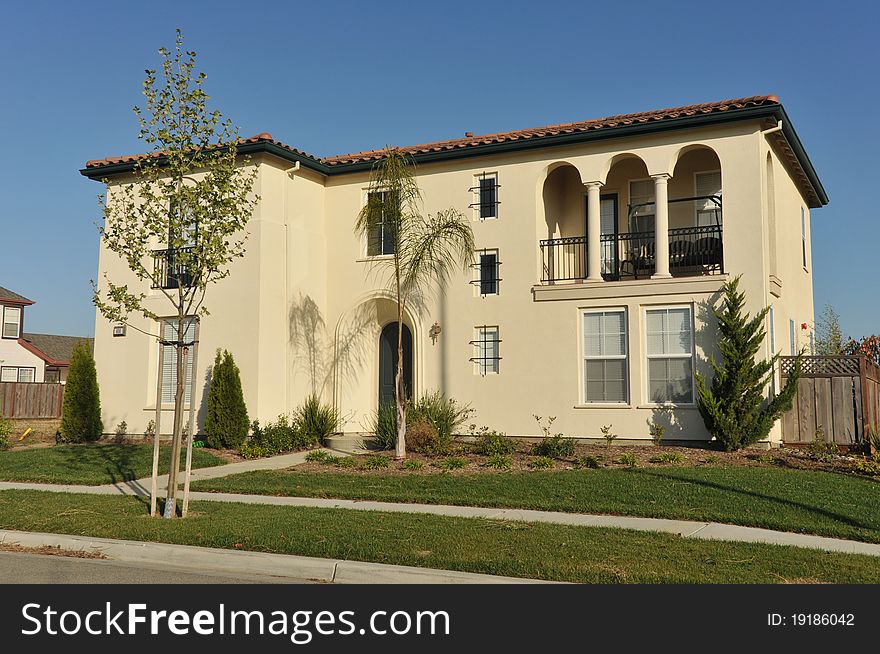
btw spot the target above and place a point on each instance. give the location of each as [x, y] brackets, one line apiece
[278, 566]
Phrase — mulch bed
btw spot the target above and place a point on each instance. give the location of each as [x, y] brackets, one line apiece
[607, 457]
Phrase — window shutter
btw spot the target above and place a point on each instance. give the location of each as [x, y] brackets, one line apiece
[488, 196]
[169, 365]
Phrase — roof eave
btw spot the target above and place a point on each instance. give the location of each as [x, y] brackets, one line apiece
[774, 110]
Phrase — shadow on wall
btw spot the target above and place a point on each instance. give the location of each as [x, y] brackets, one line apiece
[321, 357]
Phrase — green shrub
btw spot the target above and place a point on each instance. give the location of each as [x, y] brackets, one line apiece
[413, 464]
[541, 462]
[657, 432]
[121, 430]
[277, 437]
[587, 462]
[607, 434]
[81, 412]
[346, 462]
[385, 426]
[452, 463]
[867, 466]
[821, 450]
[499, 462]
[556, 447]
[667, 457]
[376, 462]
[422, 437]
[5, 431]
[226, 421]
[317, 419]
[491, 443]
[711, 459]
[627, 459]
[443, 412]
[317, 456]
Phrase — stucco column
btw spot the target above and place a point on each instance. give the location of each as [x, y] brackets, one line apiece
[594, 232]
[661, 227]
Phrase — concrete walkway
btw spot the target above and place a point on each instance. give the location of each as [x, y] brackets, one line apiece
[684, 528]
[274, 567]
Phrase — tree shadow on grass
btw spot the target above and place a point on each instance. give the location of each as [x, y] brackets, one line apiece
[116, 461]
[848, 520]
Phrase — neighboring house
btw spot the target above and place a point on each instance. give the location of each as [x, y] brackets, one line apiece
[26, 357]
[601, 245]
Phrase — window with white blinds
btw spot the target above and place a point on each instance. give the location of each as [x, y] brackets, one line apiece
[670, 352]
[705, 184]
[605, 356]
[11, 322]
[169, 365]
[641, 202]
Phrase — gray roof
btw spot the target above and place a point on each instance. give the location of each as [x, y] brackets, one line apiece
[6, 294]
[57, 348]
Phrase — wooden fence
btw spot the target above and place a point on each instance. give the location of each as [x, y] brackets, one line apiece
[838, 397]
[30, 400]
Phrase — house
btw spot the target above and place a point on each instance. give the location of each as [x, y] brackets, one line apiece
[602, 245]
[28, 357]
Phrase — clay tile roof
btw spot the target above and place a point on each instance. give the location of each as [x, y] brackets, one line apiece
[264, 137]
[57, 350]
[11, 296]
[563, 128]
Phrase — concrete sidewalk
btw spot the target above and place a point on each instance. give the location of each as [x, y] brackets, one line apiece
[684, 528]
[274, 567]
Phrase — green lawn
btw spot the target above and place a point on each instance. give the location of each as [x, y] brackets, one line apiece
[91, 464]
[555, 552]
[789, 500]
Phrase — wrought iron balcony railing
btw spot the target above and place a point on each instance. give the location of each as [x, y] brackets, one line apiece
[692, 251]
[171, 270]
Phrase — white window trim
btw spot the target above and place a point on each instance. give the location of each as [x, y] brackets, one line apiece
[478, 273]
[365, 238]
[805, 251]
[486, 174]
[478, 364]
[582, 358]
[17, 323]
[721, 193]
[646, 386]
[4, 369]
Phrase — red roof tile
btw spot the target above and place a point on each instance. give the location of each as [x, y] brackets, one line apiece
[471, 141]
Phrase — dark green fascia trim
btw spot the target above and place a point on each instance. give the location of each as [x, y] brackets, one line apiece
[801, 154]
[748, 113]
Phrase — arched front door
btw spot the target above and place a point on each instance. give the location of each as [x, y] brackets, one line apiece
[388, 362]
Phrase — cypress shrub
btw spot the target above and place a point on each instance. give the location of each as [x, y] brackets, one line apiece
[226, 422]
[733, 405]
[81, 411]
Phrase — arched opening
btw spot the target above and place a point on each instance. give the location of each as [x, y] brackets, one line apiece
[564, 249]
[388, 358]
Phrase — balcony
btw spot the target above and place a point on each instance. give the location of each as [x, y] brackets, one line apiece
[693, 251]
[171, 268]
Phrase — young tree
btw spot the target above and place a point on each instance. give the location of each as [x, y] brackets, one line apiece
[829, 335]
[423, 249]
[226, 423]
[192, 197]
[81, 411]
[734, 408]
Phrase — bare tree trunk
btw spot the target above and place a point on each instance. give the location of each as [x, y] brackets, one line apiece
[171, 495]
[400, 392]
[157, 427]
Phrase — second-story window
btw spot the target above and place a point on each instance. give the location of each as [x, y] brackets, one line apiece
[380, 239]
[804, 235]
[11, 322]
[485, 192]
[487, 272]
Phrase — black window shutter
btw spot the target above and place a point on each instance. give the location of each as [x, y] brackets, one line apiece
[488, 274]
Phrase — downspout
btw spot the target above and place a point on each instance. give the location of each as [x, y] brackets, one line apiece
[289, 173]
[773, 130]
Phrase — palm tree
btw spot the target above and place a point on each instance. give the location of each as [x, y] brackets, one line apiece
[422, 249]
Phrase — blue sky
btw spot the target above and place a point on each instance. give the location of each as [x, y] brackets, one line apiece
[337, 77]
